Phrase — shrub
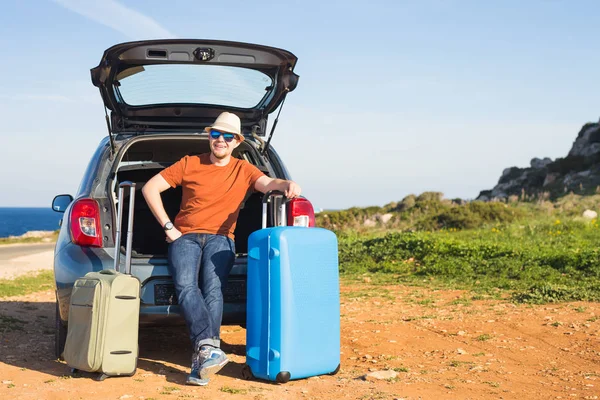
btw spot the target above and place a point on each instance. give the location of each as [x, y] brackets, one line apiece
[408, 202]
[430, 196]
[494, 211]
[455, 217]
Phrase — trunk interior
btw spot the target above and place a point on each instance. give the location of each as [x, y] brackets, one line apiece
[146, 158]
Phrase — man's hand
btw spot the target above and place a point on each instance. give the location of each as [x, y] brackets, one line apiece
[172, 235]
[292, 190]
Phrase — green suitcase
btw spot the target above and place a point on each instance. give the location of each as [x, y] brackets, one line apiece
[104, 314]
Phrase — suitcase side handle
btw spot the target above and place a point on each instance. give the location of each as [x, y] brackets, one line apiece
[108, 272]
[266, 200]
[122, 186]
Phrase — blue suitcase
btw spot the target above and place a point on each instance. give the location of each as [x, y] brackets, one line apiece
[293, 303]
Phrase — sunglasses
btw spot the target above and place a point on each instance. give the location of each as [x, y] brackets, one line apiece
[228, 137]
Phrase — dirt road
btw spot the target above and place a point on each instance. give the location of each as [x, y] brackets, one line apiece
[19, 259]
[440, 344]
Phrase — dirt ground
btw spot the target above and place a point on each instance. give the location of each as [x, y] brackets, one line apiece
[440, 344]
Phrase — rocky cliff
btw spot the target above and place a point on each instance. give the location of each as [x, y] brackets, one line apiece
[578, 172]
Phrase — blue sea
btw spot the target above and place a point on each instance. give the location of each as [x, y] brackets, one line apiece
[17, 221]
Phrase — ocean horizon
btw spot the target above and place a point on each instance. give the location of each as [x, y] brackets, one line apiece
[15, 221]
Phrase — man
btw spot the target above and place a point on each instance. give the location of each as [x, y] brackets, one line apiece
[201, 238]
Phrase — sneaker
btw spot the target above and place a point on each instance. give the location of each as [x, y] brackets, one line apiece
[211, 360]
[194, 378]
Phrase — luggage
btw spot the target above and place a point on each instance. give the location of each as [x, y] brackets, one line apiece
[104, 313]
[293, 302]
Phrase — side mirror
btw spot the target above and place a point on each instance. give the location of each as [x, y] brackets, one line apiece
[61, 202]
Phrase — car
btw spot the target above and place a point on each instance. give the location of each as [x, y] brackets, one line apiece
[159, 95]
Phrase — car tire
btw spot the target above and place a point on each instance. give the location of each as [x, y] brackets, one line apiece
[60, 335]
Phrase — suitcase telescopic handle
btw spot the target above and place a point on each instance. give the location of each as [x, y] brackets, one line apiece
[265, 201]
[122, 186]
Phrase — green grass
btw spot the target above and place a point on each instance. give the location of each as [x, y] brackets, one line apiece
[26, 284]
[362, 294]
[493, 384]
[538, 259]
[169, 389]
[456, 363]
[227, 389]
[528, 249]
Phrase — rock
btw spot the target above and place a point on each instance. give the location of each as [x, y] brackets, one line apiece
[461, 351]
[569, 179]
[536, 163]
[506, 171]
[550, 178]
[461, 333]
[484, 195]
[586, 143]
[34, 234]
[579, 171]
[380, 375]
[590, 214]
[385, 218]
[369, 223]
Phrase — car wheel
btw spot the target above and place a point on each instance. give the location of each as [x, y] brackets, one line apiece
[60, 335]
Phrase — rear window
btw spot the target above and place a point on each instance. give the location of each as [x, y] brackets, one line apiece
[197, 84]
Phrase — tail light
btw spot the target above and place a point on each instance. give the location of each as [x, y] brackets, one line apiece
[300, 213]
[85, 223]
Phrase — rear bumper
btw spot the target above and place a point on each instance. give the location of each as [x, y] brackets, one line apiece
[233, 314]
[72, 262]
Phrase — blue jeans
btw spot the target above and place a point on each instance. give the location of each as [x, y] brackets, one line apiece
[199, 264]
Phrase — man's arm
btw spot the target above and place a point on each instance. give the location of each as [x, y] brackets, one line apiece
[265, 184]
[151, 191]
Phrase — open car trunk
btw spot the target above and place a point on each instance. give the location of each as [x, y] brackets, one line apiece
[148, 156]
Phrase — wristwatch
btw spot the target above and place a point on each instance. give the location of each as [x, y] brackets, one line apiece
[168, 226]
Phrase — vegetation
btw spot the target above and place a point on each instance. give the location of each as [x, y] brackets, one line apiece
[26, 284]
[14, 240]
[533, 251]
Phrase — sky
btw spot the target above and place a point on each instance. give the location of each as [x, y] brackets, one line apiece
[394, 97]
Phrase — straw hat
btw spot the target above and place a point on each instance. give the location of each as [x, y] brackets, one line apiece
[227, 122]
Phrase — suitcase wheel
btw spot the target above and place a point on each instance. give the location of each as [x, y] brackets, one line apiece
[336, 370]
[247, 372]
[283, 377]
[101, 377]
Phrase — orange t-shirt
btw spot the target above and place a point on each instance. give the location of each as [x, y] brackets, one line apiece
[212, 195]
